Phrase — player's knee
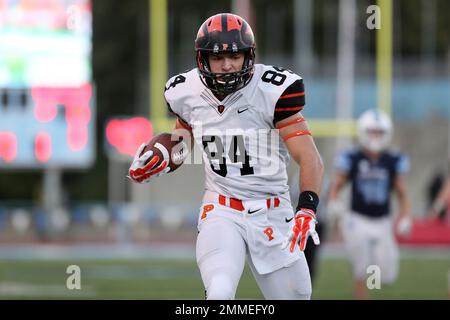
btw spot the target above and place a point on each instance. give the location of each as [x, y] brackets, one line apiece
[300, 287]
[389, 271]
[303, 297]
[301, 291]
[220, 288]
[296, 293]
[389, 277]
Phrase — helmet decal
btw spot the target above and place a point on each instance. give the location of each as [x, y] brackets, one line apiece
[233, 22]
[215, 24]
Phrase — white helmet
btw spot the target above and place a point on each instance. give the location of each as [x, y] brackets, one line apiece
[374, 130]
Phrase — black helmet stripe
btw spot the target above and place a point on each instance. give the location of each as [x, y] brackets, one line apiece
[224, 22]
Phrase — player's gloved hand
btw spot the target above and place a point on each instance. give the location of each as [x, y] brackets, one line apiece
[304, 226]
[142, 169]
[404, 226]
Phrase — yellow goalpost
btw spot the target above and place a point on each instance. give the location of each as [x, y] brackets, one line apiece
[320, 127]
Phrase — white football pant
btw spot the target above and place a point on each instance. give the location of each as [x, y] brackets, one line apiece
[227, 237]
[370, 241]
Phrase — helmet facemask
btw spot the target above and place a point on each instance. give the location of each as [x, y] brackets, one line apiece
[375, 140]
[225, 83]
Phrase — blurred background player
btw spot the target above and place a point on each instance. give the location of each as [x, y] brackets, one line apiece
[373, 172]
[441, 202]
[227, 103]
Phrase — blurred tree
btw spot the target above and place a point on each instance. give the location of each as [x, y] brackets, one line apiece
[115, 49]
[19, 185]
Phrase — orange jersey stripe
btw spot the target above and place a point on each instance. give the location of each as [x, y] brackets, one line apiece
[292, 95]
[297, 134]
[290, 123]
[288, 109]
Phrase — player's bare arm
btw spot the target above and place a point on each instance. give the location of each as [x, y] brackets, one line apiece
[339, 180]
[402, 195]
[303, 150]
[405, 223]
[297, 137]
[335, 207]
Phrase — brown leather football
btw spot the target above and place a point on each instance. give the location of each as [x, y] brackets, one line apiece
[168, 145]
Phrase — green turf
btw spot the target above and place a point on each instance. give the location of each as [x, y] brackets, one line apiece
[418, 279]
[157, 279]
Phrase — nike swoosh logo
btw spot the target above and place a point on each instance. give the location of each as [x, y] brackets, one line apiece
[288, 220]
[250, 212]
[240, 111]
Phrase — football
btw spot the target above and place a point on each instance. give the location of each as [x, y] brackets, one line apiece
[167, 145]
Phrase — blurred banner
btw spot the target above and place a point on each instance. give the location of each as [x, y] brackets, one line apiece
[47, 103]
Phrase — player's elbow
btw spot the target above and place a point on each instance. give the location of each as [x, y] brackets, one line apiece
[318, 165]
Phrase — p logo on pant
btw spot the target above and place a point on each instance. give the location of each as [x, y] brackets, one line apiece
[269, 232]
[206, 208]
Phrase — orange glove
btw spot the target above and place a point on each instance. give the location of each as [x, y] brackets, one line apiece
[142, 171]
[304, 226]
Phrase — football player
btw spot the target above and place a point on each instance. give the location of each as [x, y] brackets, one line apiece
[373, 172]
[246, 118]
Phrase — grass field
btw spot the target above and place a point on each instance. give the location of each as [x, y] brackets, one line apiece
[180, 279]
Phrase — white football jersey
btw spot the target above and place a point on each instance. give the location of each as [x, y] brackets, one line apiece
[244, 156]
